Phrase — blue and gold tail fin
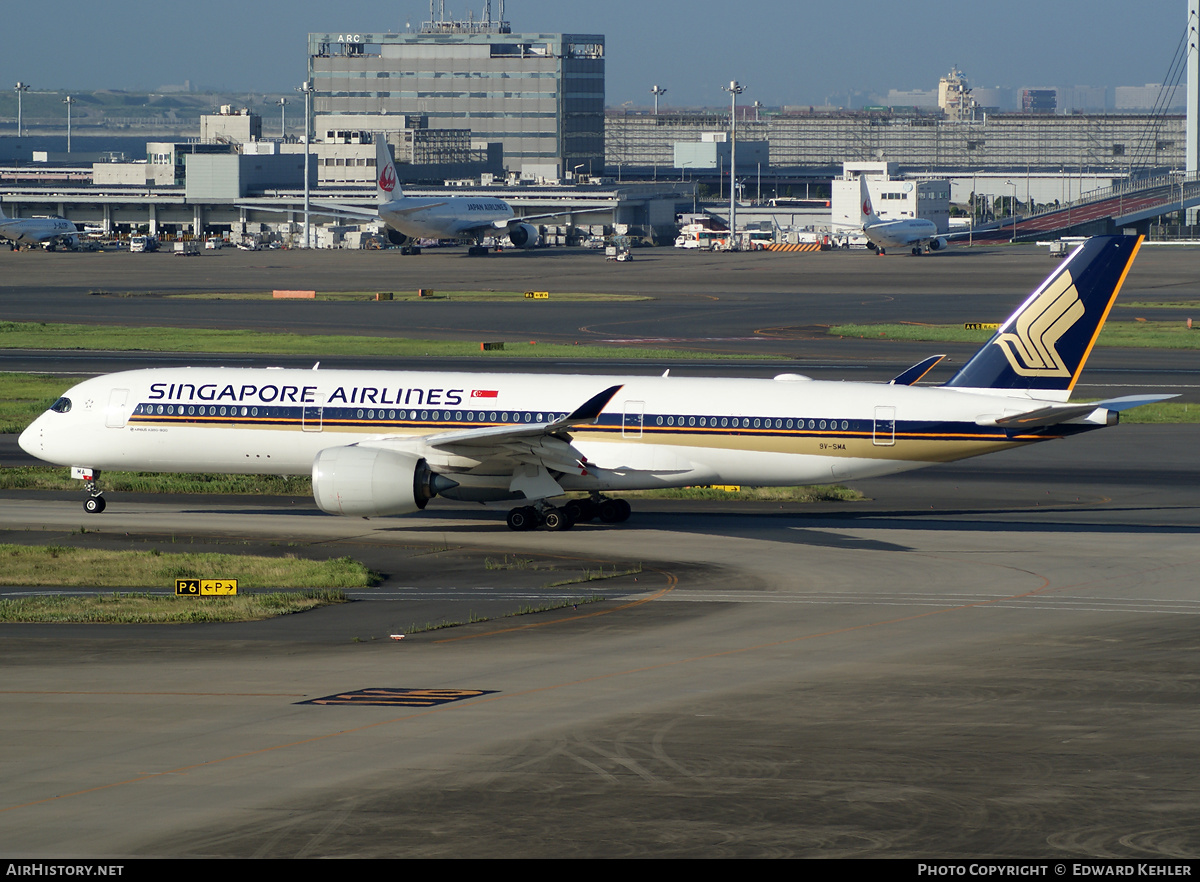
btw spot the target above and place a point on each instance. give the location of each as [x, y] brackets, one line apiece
[1045, 343]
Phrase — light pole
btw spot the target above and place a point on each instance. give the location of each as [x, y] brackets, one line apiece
[282, 102]
[1013, 208]
[734, 90]
[657, 90]
[19, 88]
[974, 188]
[68, 101]
[306, 88]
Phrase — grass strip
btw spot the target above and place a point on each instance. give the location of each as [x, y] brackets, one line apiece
[57, 478]
[1133, 335]
[49, 335]
[1160, 304]
[470, 296]
[64, 566]
[24, 396]
[132, 608]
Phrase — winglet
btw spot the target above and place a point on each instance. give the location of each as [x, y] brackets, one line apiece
[917, 371]
[590, 410]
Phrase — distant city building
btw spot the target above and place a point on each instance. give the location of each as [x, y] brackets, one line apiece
[912, 98]
[954, 96]
[230, 126]
[1148, 97]
[539, 95]
[1039, 101]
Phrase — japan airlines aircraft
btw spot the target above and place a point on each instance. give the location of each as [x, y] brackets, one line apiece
[385, 443]
[47, 231]
[447, 217]
[914, 233]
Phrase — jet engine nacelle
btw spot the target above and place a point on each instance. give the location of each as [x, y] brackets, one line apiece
[372, 482]
[938, 244]
[396, 237]
[523, 235]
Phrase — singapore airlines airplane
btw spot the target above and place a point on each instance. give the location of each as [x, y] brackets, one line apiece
[915, 233]
[47, 231]
[385, 443]
[447, 217]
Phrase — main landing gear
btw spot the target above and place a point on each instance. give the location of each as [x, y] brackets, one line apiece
[530, 517]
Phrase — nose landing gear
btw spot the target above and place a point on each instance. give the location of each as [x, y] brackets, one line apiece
[94, 504]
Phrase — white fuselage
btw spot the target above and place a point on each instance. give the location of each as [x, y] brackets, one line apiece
[447, 218]
[655, 432]
[901, 233]
[38, 230]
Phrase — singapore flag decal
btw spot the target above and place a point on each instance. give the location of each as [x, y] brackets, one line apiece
[484, 393]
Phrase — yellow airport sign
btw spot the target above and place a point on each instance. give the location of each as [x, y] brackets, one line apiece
[981, 326]
[205, 587]
[537, 295]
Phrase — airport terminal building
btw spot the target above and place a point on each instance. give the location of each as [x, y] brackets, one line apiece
[539, 95]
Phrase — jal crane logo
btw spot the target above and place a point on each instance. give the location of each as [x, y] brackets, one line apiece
[387, 179]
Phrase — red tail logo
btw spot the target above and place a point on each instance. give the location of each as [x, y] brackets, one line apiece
[866, 206]
[387, 179]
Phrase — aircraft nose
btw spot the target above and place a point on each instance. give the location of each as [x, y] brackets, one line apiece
[31, 439]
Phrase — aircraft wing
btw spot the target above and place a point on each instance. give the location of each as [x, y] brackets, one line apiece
[532, 451]
[495, 436]
[1057, 414]
[319, 206]
[505, 224]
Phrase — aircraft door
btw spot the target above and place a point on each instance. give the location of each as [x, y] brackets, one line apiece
[884, 434]
[631, 421]
[312, 416]
[116, 413]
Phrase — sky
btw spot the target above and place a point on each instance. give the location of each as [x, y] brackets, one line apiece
[794, 53]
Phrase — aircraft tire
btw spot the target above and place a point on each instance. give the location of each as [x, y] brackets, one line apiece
[581, 510]
[557, 519]
[94, 504]
[615, 511]
[524, 518]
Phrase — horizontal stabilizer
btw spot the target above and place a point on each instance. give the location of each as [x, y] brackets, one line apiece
[1058, 414]
[917, 371]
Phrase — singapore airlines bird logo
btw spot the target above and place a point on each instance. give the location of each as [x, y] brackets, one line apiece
[387, 179]
[1030, 346]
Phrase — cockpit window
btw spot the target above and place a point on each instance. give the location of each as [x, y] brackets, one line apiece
[61, 406]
